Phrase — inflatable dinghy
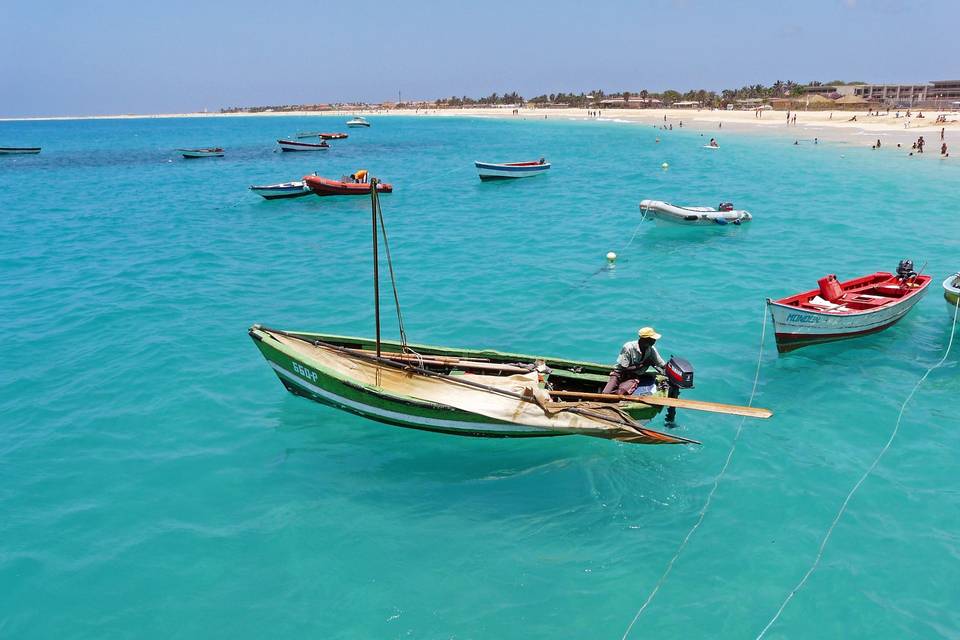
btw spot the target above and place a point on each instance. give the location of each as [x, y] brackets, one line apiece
[724, 214]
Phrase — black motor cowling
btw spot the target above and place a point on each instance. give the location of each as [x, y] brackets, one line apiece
[905, 270]
[679, 373]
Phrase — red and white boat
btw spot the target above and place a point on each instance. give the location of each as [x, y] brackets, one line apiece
[839, 310]
[355, 185]
[296, 145]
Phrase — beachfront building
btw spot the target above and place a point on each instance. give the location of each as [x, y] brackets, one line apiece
[946, 93]
[893, 95]
[631, 102]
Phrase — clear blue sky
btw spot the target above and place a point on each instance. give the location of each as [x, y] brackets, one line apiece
[136, 56]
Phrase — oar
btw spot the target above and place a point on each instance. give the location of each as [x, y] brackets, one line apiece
[698, 405]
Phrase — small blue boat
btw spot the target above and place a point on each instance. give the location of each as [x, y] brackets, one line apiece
[283, 190]
[507, 170]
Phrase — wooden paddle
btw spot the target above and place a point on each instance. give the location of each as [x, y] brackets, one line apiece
[698, 405]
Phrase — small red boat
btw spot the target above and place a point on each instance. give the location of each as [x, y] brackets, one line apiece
[355, 185]
[838, 310]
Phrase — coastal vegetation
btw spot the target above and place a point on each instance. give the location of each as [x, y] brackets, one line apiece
[780, 89]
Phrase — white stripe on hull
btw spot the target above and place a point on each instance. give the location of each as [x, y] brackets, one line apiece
[449, 425]
[811, 324]
[505, 173]
[294, 146]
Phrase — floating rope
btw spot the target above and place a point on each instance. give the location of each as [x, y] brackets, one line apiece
[587, 278]
[713, 489]
[873, 465]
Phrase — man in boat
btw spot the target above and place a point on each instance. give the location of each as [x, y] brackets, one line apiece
[633, 363]
[635, 358]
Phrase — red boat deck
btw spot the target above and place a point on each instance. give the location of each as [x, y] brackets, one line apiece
[854, 296]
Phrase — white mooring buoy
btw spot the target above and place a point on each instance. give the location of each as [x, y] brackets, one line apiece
[611, 259]
[665, 166]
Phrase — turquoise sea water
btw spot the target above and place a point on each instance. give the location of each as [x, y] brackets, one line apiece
[157, 481]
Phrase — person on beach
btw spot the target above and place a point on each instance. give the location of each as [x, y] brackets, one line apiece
[920, 143]
[943, 150]
[878, 143]
[794, 118]
[942, 129]
[815, 141]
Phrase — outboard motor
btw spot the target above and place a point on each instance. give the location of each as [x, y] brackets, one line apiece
[905, 270]
[725, 206]
[679, 373]
[679, 376]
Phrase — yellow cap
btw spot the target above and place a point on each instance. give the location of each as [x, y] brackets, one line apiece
[648, 332]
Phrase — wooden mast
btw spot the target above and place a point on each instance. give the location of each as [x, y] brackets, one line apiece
[376, 266]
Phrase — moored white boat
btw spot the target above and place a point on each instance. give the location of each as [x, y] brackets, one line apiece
[951, 290]
[358, 121]
[207, 152]
[840, 310]
[294, 145]
[666, 212]
[9, 151]
[508, 170]
[294, 189]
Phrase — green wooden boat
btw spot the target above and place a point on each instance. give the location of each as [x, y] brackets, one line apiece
[482, 393]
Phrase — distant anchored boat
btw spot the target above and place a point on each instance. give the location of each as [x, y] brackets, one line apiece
[723, 214]
[354, 185]
[9, 151]
[506, 170]
[293, 145]
[283, 190]
[359, 121]
[321, 135]
[839, 310]
[207, 152]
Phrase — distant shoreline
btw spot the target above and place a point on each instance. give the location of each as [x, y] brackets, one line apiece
[864, 131]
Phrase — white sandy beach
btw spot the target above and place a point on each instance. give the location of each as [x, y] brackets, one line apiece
[826, 126]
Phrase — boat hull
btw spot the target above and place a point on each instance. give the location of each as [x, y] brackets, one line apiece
[695, 216]
[795, 328]
[192, 154]
[951, 290]
[357, 124]
[10, 151]
[302, 377]
[326, 187]
[293, 145]
[281, 191]
[492, 171]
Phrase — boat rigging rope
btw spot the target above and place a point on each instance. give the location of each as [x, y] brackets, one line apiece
[393, 279]
[860, 481]
[713, 489]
